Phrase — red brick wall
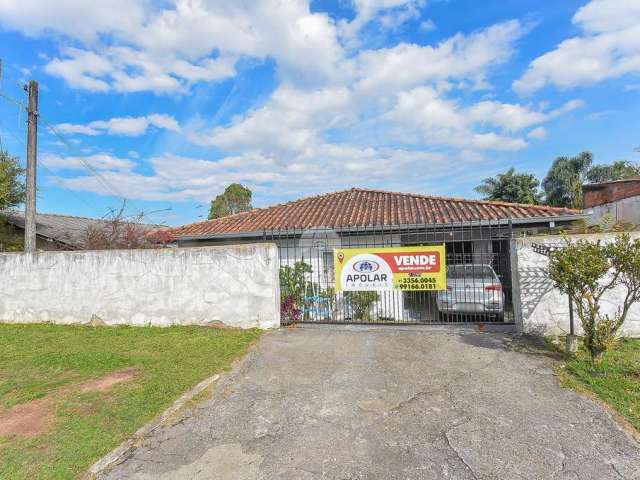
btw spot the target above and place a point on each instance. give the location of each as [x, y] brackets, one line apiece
[610, 192]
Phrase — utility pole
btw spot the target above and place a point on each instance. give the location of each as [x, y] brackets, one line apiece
[32, 159]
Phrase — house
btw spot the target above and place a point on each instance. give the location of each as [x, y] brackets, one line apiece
[308, 230]
[617, 200]
[60, 232]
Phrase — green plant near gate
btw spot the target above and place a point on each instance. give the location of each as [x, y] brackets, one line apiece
[361, 303]
[586, 271]
[294, 283]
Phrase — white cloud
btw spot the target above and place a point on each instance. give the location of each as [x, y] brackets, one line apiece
[459, 57]
[337, 112]
[128, 126]
[80, 19]
[538, 133]
[102, 162]
[177, 178]
[427, 26]
[166, 47]
[608, 47]
[389, 14]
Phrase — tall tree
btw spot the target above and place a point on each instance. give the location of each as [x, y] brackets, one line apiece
[12, 186]
[563, 183]
[511, 187]
[616, 171]
[235, 199]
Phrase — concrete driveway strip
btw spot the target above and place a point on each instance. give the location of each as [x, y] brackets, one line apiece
[385, 403]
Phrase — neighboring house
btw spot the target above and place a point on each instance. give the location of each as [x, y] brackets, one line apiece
[310, 228]
[59, 232]
[618, 200]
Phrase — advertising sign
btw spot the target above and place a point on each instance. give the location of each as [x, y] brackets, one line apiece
[391, 268]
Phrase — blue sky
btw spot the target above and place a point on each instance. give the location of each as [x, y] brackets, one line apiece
[166, 102]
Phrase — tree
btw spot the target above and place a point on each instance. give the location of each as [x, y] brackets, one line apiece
[586, 271]
[511, 187]
[616, 171]
[12, 193]
[235, 199]
[12, 185]
[563, 183]
[119, 232]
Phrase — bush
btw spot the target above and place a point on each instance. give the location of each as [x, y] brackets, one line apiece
[586, 271]
[294, 287]
[361, 303]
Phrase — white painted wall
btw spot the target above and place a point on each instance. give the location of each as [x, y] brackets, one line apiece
[236, 285]
[544, 309]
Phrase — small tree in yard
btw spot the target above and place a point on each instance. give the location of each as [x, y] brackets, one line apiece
[586, 271]
[361, 303]
[120, 232]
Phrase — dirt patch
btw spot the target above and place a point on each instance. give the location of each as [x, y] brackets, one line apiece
[37, 417]
[27, 420]
[105, 383]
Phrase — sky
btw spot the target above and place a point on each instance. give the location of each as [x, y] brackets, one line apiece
[164, 103]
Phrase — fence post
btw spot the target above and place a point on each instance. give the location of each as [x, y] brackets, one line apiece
[515, 285]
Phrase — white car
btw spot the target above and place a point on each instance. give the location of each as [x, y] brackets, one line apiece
[472, 289]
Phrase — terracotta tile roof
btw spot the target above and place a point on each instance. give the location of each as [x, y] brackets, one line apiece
[359, 207]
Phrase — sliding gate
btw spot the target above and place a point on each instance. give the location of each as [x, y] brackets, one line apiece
[479, 287]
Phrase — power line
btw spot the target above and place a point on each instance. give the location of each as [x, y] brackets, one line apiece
[99, 177]
[52, 175]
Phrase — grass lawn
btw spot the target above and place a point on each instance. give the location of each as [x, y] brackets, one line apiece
[616, 381]
[52, 367]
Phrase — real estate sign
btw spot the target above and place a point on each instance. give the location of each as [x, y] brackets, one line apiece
[391, 268]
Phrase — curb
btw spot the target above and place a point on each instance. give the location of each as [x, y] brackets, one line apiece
[120, 453]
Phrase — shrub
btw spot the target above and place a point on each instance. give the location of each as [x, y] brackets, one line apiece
[586, 271]
[294, 287]
[289, 311]
[361, 303]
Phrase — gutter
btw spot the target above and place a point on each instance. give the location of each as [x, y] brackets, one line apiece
[261, 234]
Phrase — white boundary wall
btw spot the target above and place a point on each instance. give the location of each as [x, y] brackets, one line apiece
[544, 310]
[236, 285]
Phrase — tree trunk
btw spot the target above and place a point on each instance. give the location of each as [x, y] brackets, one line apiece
[596, 355]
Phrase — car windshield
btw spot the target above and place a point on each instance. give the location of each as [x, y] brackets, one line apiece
[460, 272]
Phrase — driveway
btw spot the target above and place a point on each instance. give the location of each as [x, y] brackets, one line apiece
[385, 403]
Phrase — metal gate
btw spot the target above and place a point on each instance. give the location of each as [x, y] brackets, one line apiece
[479, 285]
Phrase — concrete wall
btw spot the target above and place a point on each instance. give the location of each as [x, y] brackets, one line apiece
[544, 310]
[234, 285]
[626, 210]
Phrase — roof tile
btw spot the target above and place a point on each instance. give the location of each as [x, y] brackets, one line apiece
[359, 207]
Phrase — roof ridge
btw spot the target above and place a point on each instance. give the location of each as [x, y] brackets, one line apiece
[461, 199]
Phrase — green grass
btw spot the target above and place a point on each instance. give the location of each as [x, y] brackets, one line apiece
[37, 360]
[616, 380]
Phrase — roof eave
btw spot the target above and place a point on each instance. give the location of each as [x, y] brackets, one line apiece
[265, 233]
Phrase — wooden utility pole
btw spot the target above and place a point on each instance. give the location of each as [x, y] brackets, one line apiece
[32, 159]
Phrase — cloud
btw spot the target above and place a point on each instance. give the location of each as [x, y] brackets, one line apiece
[538, 133]
[427, 26]
[179, 178]
[393, 117]
[459, 57]
[102, 162]
[389, 14]
[128, 126]
[608, 47]
[167, 47]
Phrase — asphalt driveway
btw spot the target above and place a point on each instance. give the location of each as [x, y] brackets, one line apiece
[383, 403]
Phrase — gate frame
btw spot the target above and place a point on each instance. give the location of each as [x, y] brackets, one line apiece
[447, 233]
